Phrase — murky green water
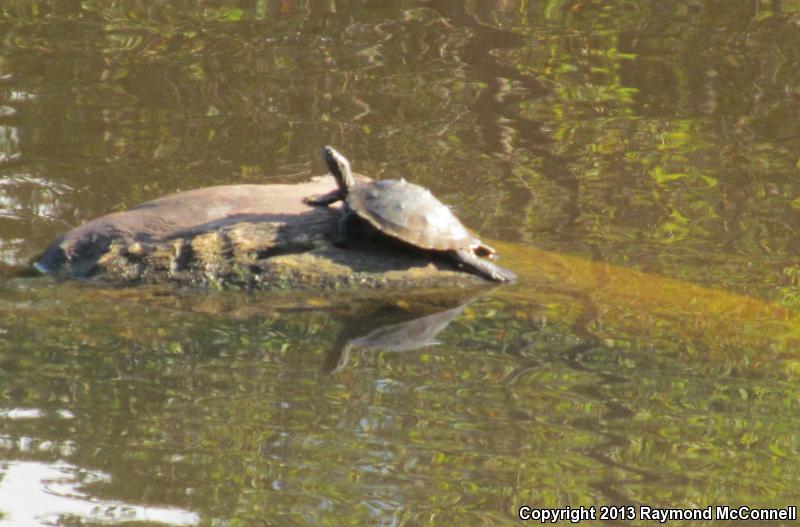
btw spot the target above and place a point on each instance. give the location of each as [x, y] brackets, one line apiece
[660, 137]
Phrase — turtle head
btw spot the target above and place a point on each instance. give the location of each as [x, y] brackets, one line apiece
[339, 167]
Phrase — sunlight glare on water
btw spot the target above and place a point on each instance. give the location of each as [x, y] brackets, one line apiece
[34, 494]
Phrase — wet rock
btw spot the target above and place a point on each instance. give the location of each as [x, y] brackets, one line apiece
[245, 236]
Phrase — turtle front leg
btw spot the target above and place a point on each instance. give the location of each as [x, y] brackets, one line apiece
[323, 199]
[341, 238]
[482, 267]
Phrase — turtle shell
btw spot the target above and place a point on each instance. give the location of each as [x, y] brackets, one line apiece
[412, 214]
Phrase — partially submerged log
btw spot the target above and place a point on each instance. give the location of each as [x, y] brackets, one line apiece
[247, 236]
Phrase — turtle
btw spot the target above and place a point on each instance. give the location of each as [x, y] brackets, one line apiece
[407, 212]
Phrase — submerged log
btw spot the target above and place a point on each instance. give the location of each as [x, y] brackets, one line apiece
[246, 236]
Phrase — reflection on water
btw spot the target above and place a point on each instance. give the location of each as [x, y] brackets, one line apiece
[215, 403]
[591, 139]
[389, 336]
[52, 494]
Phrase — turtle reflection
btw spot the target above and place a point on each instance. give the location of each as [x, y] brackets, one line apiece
[391, 335]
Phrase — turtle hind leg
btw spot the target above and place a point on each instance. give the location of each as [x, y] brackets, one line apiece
[482, 267]
[342, 236]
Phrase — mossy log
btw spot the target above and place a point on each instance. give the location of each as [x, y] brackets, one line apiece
[245, 236]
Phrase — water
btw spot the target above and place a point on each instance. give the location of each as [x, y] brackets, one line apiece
[636, 163]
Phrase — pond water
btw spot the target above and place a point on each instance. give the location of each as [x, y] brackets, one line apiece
[636, 162]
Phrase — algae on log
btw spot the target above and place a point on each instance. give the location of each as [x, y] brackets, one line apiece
[246, 236]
